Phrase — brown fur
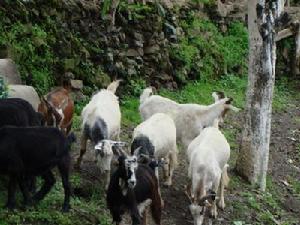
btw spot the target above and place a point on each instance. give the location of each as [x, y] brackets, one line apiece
[58, 99]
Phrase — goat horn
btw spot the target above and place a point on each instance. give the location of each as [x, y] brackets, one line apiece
[188, 195]
[136, 151]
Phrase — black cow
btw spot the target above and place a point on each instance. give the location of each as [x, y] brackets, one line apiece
[26, 152]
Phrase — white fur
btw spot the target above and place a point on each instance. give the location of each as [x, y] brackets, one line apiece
[208, 154]
[189, 119]
[161, 131]
[143, 206]
[105, 105]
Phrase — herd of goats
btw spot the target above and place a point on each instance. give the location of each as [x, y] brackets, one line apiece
[33, 143]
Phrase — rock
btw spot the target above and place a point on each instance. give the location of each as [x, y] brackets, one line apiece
[151, 49]
[138, 36]
[27, 93]
[139, 60]
[131, 71]
[133, 53]
[8, 70]
[77, 84]
[139, 43]
[110, 57]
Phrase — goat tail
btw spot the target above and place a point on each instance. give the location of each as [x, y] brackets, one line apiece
[224, 176]
[113, 86]
[146, 94]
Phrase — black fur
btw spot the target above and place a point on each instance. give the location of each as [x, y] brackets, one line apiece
[18, 112]
[97, 132]
[147, 147]
[146, 188]
[34, 151]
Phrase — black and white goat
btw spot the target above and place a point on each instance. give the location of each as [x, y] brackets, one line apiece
[156, 138]
[189, 119]
[208, 155]
[101, 122]
[133, 187]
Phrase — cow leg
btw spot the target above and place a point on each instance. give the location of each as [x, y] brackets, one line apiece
[11, 198]
[49, 181]
[63, 168]
[83, 142]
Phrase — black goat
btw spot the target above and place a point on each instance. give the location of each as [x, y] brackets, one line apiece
[133, 187]
[18, 112]
[34, 151]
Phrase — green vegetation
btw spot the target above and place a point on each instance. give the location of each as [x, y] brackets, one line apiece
[266, 207]
[206, 53]
[84, 211]
[3, 88]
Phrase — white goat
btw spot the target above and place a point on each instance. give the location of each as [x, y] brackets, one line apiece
[101, 122]
[208, 155]
[189, 119]
[156, 137]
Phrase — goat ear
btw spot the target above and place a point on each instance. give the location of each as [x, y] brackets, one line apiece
[229, 101]
[218, 95]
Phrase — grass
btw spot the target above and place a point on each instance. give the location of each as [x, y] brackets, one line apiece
[48, 210]
[265, 207]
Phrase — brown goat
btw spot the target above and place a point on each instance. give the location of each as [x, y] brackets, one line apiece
[57, 109]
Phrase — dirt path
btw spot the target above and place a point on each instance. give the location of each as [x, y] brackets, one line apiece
[284, 162]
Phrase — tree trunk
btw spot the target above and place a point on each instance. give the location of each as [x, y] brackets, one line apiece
[296, 60]
[253, 157]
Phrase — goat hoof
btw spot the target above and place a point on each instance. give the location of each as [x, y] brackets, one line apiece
[167, 184]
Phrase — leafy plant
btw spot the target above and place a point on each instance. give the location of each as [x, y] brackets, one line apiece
[3, 88]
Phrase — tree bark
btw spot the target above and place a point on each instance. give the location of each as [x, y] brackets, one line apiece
[252, 162]
[296, 60]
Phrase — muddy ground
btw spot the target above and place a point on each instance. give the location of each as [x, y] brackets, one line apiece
[284, 164]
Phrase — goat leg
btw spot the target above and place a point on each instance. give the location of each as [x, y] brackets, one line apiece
[49, 182]
[11, 199]
[25, 192]
[83, 142]
[64, 172]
